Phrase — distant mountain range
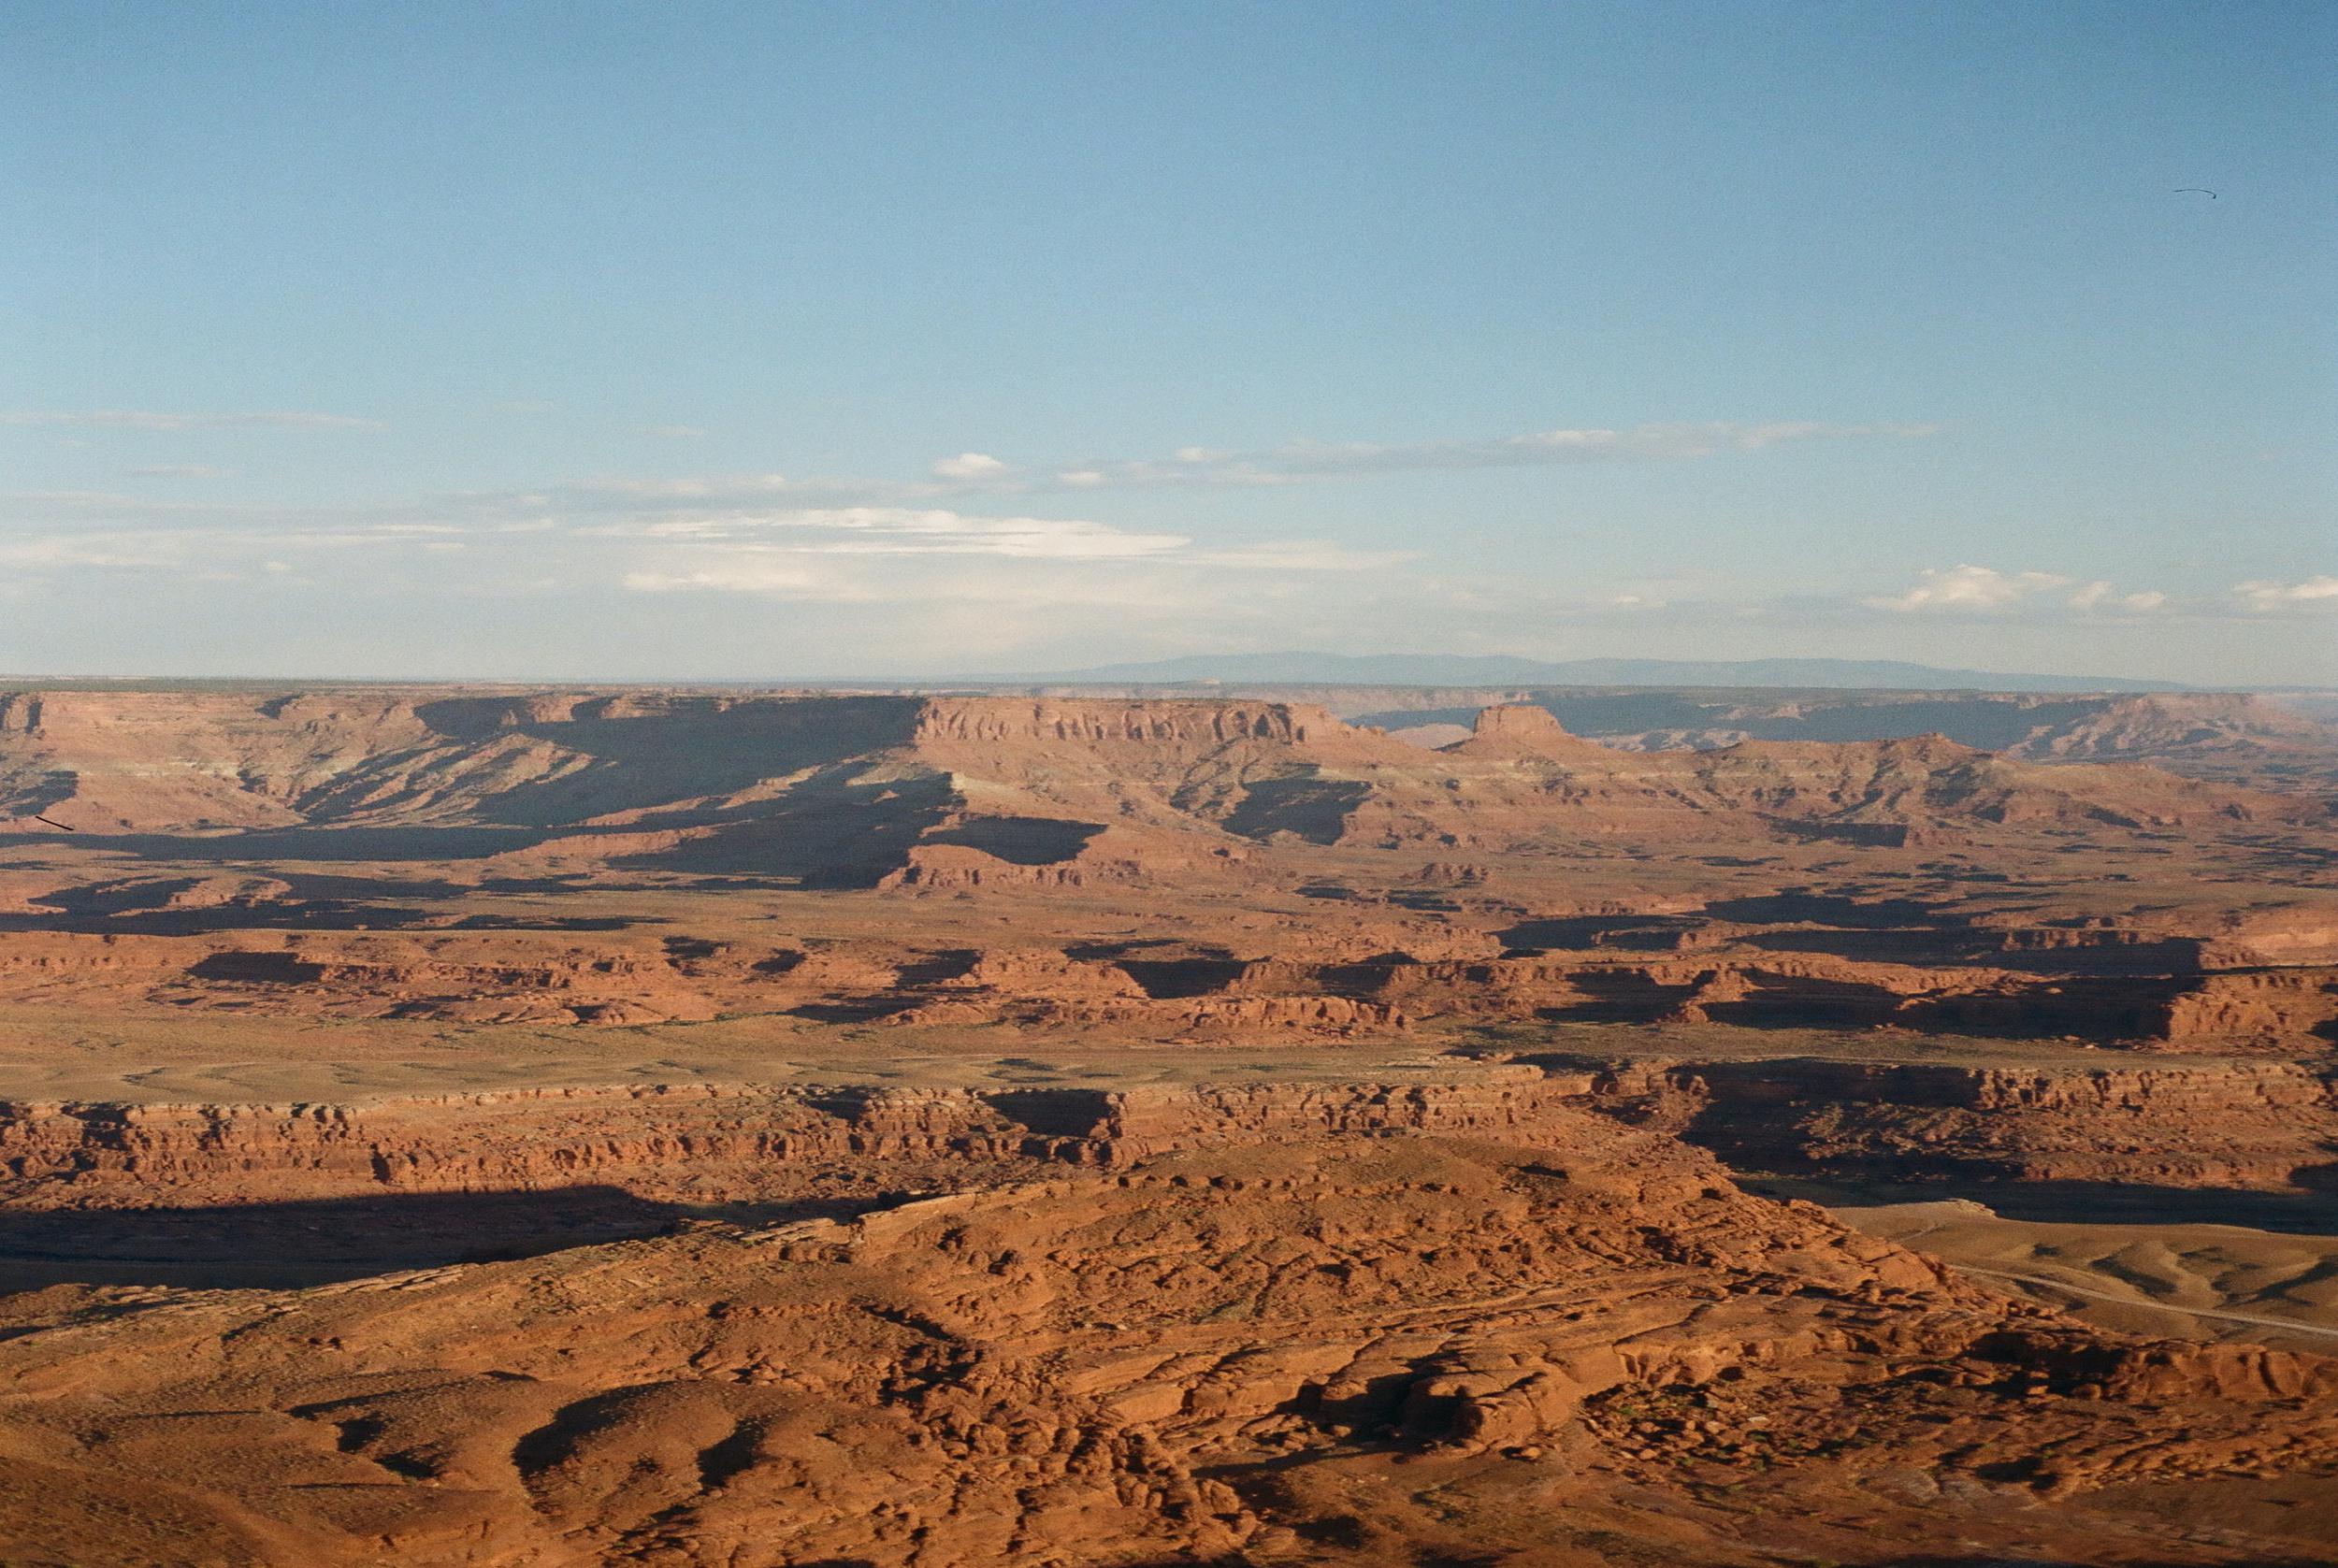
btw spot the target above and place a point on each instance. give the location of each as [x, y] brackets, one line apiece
[1461, 669]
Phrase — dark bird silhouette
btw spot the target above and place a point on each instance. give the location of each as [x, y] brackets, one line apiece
[2195, 190]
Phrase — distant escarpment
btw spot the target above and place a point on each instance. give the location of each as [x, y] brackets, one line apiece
[851, 790]
[2203, 734]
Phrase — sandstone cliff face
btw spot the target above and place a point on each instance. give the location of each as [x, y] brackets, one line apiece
[709, 1143]
[657, 1141]
[2265, 1127]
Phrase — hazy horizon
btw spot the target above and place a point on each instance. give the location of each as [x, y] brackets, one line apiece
[758, 343]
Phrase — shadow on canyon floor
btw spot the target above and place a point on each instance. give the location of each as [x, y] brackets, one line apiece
[321, 1240]
[2298, 1213]
[2312, 1214]
[307, 917]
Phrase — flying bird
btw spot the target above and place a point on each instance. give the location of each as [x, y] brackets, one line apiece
[2195, 190]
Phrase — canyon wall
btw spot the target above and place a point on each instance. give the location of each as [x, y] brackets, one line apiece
[2269, 1126]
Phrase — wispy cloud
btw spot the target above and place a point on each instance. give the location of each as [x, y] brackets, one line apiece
[969, 464]
[902, 531]
[2313, 593]
[932, 556]
[739, 573]
[1306, 460]
[1303, 555]
[183, 470]
[676, 432]
[989, 601]
[216, 552]
[977, 474]
[1972, 589]
[925, 556]
[102, 552]
[2099, 595]
[148, 419]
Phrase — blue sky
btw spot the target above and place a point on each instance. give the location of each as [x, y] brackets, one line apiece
[760, 341]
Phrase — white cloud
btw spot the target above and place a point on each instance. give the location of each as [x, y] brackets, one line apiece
[736, 574]
[1972, 589]
[183, 470]
[109, 553]
[148, 419]
[969, 465]
[218, 553]
[975, 473]
[952, 607]
[47, 504]
[2099, 595]
[1304, 555]
[1035, 562]
[905, 531]
[1309, 460]
[679, 432]
[2313, 593]
[719, 489]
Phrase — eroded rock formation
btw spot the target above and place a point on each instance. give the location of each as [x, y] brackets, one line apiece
[1324, 1349]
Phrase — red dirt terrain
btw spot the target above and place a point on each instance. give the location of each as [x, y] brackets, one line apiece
[498, 1127]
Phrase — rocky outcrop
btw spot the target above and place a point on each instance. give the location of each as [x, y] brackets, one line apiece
[716, 1142]
[1520, 729]
[656, 1141]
